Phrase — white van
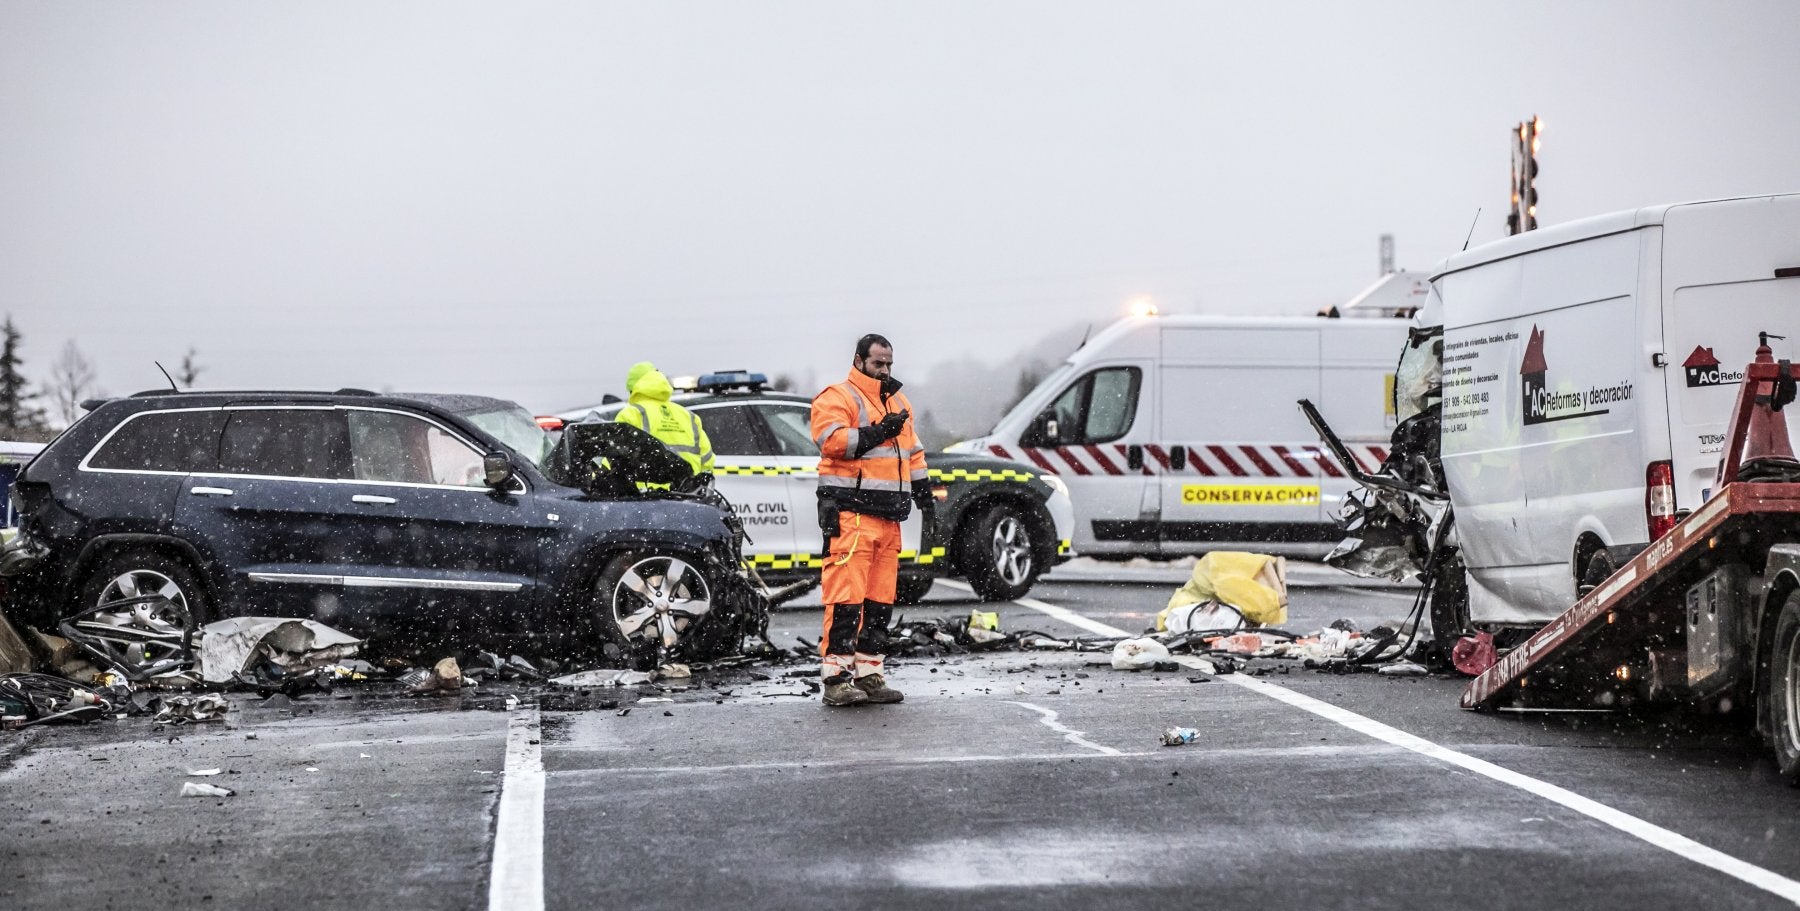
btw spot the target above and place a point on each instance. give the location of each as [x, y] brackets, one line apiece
[1180, 434]
[1588, 371]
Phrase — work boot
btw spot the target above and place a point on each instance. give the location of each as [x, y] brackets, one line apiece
[844, 693]
[874, 687]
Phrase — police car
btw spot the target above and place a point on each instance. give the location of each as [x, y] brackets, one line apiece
[1000, 524]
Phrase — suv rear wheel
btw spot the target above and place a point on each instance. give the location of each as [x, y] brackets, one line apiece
[999, 554]
[138, 608]
[649, 604]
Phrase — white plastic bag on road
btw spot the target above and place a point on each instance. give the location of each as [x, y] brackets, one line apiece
[1139, 654]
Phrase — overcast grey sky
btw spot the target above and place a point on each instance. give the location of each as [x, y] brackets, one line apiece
[523, 198]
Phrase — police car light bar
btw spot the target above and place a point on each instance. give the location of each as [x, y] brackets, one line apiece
[731, 379]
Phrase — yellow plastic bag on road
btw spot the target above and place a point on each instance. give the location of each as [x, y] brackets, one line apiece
[1254, 584]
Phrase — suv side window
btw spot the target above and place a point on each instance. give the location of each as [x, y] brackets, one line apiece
[792, 428]
[732, 430]
[284, 443]
[171, 441]
[400, 448]
[1099, 408]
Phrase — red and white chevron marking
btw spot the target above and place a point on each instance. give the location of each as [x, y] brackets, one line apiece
[1203, 460]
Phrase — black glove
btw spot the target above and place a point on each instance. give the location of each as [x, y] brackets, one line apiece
[873, 435]
[828, 523]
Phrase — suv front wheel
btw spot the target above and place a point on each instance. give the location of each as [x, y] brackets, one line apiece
[648, 605]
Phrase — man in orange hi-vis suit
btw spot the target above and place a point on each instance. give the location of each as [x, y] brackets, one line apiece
[871, 472]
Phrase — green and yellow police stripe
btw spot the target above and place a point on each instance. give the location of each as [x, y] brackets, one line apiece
[980, 474]
[814, 561]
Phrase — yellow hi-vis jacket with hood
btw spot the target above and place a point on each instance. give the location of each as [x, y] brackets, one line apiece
[650, 410]
[857, 472]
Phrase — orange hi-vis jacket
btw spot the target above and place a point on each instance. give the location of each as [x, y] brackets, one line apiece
[877, 481]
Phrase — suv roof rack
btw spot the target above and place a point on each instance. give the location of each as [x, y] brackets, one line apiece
[731, 381]
[151, 393]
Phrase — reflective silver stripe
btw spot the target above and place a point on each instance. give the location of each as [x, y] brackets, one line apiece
[888, 451]
[643, 417]
[832, 480]
[386, 582]
[829, 430]
[914, 451]
[862, 413]
[850, 438]
[921, 474]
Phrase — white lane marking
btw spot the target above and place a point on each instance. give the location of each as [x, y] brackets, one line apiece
[1673, 842]
[1073, 736]
[516, 879]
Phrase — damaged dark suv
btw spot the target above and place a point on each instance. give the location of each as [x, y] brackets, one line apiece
[162, 511]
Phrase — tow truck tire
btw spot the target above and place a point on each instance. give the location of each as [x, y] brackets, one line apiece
[999, 554]
[1784, 691]
[911, 590]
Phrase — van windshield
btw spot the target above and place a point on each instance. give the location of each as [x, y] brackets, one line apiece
[1024, 405]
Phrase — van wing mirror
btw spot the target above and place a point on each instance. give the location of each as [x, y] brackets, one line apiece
[1044, 430]
[497, 469]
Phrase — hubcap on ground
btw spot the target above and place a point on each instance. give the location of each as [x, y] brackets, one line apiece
[1011, 550]
[658, 598]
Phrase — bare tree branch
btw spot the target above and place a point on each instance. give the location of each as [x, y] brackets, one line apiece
[71, 382]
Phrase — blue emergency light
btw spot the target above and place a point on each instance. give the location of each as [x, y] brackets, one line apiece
[725, 380]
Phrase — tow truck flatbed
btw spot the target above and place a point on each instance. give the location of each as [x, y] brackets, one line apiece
[1575, 660]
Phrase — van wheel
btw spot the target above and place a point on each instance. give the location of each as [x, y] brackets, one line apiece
[1000, 554]
[1599, 568]
[1449, 606]
[910, 590]
[648, 606]
[139, 608]
[1784, 691]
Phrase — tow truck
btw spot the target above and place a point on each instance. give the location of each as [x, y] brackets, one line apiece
[1708, 614]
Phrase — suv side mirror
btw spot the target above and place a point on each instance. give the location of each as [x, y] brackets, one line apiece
[498, 469]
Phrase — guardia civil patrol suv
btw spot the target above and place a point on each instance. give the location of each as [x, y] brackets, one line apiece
[1000, 524]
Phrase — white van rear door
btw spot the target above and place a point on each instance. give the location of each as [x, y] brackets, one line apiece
[1233, 452]
[1719, 291]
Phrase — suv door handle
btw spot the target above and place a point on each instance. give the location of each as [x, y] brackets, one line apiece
[212, 491]
[371, 498]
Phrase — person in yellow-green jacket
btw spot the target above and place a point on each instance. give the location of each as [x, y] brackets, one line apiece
[650, 410]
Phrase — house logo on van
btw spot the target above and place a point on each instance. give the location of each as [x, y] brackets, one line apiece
[1703, 370]
[1542, 405]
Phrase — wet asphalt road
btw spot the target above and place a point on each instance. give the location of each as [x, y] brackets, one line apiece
[1009, 780]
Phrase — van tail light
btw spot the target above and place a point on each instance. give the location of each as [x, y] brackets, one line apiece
[1659, 497]
[549, 423]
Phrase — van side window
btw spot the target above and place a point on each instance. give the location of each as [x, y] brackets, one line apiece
[285, 443]
[177, 441]
[1098, 409]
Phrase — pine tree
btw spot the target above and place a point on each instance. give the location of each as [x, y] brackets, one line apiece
[19, 418]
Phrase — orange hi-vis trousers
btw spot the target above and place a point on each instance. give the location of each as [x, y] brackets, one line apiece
[861, 569]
